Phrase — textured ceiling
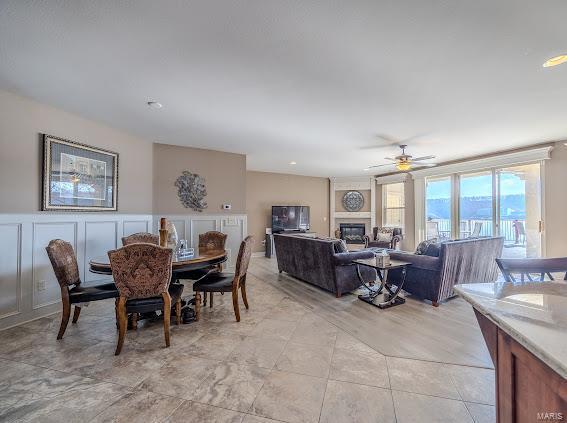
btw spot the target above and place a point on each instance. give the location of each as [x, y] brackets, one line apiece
[308, 81]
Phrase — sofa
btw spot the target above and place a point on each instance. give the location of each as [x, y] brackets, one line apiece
[432, 277]
[318, 262]
[372, 242]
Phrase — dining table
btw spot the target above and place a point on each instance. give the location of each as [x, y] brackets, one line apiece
[183, 266]
[181, 263]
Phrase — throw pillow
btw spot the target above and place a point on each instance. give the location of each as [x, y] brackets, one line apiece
[385, 234]
[340, 246]
[423, 245]
[433, 250]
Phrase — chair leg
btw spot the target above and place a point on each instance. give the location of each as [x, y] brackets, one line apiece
[76, 312]
[122, 323]
[178, 311]
[197, 305]
[235, 303]
[435, 303]
[66, 311]
[244, 298]
[166, 316]
[204, 299]
[135, 317]
[211, 300]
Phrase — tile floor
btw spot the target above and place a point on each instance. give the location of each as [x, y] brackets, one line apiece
[282, 362]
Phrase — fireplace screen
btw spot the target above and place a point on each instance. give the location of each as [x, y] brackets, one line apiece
[352, 233]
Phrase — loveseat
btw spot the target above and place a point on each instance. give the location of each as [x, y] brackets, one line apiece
[316, 261]
[432, 277]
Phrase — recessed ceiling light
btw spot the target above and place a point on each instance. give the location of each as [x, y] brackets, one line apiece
[293, 163]
[554, 61]
[155, 105]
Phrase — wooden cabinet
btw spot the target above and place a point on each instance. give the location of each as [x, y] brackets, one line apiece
[527, 390]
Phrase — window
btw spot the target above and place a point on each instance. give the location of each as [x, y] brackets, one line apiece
[393, 205]
[438, 207]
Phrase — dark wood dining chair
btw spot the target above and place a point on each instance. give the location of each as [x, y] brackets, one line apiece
[142, 273]
[73, 291]
[210, 241]
[227, 282]
[143, 237]
[532, 270]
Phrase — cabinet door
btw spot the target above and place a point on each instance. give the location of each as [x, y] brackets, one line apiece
[528, 390]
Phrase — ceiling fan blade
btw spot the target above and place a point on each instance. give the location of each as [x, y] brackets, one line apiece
[426, 164]
[423, 158]
[382, 165]
[389, 158]
[388, 138]
[373, 147]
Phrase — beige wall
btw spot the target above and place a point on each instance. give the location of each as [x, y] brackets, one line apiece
[556, 202]
[264, 190]
[339, 207]
[22, 121]
[224, 173]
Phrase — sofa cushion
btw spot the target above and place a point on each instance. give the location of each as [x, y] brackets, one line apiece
[342, 259]
[418, 261]
[433, 249]
[423, 245]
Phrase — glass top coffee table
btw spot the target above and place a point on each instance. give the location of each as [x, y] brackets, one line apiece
[385, 295]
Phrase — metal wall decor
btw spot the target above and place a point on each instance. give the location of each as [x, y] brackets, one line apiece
[78, 177]
[191, 191]
[353, 201]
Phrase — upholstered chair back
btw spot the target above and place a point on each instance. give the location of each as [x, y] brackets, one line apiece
[212, 240]
[140, 237]
[64, 262]
[394, 231]
[141, 270]
[244, 255]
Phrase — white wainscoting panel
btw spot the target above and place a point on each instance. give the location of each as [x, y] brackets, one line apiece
[28, 287]
[10, 265]
[235, 226]
[134, 226]
[45, 288]
[100, 237]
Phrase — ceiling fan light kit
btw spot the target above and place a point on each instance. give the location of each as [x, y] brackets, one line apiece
[405, 162]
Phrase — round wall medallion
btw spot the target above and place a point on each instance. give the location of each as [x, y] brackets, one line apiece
[353, 201]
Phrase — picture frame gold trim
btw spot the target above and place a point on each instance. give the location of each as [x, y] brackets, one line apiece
[46, 172]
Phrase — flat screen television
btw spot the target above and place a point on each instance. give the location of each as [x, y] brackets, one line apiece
[290, 218]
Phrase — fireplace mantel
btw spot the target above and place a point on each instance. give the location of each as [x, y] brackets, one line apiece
[356, 183]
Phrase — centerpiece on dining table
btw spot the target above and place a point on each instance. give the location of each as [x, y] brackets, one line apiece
[168, 238]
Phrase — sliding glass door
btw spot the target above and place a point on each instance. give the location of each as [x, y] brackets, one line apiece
[476, 204]
[438, 208]
[494, 202]
[519, 210]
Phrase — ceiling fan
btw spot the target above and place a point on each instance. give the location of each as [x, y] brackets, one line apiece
[405, 162]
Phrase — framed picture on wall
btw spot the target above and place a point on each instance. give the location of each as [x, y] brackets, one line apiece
[78, 177]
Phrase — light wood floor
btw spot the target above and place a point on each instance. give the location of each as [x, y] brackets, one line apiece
[447, 334]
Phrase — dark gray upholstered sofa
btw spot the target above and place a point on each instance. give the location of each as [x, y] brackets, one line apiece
[462, 261]
[314, 260]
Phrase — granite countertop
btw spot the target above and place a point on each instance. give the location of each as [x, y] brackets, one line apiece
[532, 313]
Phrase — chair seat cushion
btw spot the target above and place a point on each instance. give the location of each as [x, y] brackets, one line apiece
[85, 293]
[145, 305]
[215, 282]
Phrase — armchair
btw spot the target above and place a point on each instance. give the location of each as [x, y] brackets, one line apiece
[373, 241]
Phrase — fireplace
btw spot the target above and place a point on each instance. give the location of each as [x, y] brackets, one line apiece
[353, 233]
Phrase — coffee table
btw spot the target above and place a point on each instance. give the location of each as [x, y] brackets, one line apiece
[386, 295]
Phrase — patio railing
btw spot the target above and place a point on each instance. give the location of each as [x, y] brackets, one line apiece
[467, 225]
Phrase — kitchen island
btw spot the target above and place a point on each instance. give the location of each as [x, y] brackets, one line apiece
[524, 325]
